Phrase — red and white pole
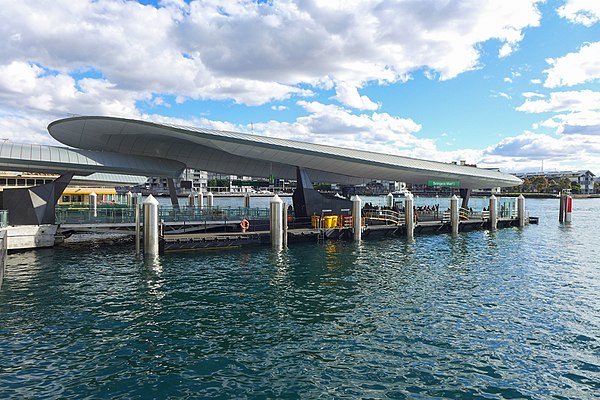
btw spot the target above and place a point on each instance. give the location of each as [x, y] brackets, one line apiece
[568, 208]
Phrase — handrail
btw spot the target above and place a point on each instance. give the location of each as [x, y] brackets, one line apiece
[168, 214]
[389, 216]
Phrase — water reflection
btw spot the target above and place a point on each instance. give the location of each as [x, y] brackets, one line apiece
[152, 276]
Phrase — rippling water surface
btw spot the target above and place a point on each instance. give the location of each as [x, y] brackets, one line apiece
[507, 314]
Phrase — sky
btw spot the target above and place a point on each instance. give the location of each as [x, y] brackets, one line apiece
[509, 84]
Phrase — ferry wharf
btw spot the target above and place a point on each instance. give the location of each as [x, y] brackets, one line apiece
[374, 222]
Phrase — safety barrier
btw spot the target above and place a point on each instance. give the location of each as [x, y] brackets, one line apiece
[384, 215]
[167, 214]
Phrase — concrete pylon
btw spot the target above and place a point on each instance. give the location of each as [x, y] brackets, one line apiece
[129, 197]
[200, 199]
[454, 216]
[357, 217]
[390, 200]
[94, 203]
[151, 235]
[209, 200]
[247, 200]
[493, 213]
[409, 215]
[191, 200]
[276, 222]
[521, 210]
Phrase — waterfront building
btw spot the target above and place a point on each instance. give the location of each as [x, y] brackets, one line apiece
[190, 179]
[584, 178]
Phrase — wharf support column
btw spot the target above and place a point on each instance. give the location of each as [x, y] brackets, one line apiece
[454, 217]
[357, 217]
[151, 226]
[276, 222]
[409, 216]
[493, 213]
[521, 210]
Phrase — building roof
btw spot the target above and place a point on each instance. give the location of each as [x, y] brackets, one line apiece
[260, 156]
[556, 173]
[33, 157]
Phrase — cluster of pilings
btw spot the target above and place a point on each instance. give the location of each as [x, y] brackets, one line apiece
[278, 219]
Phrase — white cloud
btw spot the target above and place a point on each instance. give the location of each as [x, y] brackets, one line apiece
[536, 81]
[575, 123]
[27, 86]
[347, 94]
[505, 50]
[202, 50]
[563, 101]
[279, 108]
[529, 95]
[508, 80]
[585, 12]
[525, 152]
[574, 68]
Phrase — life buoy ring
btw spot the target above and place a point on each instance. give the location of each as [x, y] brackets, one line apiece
[244, 224]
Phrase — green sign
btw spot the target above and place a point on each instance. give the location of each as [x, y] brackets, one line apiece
[443, 183]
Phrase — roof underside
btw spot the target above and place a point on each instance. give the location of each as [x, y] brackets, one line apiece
[250, 155]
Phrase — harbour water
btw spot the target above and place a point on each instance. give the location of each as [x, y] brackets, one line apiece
[507, 314]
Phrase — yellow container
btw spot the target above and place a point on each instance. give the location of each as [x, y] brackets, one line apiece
[330, 221]
[334, 221]
[315, 221]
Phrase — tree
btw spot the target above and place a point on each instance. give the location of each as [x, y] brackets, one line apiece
[575, 188]
[539, 183]
[564, 183]
[552, 186]
[526, 185]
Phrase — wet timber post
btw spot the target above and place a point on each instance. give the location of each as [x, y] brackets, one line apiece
[521, 210]
[151, 235]
[454, 217]
[561, 212]
[191, 200]
[357, 217]
[276, 222]
[247, 200]
[409, 215]
[129, 197]
[390, 200]
[493, 208]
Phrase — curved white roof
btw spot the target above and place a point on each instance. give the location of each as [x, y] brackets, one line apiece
[33, 157]
[260, 156]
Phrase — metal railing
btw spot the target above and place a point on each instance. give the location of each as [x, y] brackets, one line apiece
[384, 215]
[119, 215]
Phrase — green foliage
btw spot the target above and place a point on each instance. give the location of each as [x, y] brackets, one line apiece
[575, 188]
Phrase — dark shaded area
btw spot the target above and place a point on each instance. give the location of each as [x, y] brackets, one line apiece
[34, 205]
[308, 201]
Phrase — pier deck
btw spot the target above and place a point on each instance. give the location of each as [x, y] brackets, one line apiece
[195, 241]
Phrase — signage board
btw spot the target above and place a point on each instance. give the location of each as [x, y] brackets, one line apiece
[437, 183]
